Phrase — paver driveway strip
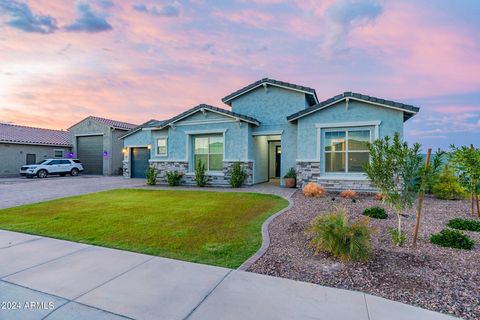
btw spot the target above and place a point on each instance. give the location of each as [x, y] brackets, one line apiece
[114, 285]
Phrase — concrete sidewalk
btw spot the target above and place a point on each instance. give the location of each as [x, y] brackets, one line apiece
[42, 278]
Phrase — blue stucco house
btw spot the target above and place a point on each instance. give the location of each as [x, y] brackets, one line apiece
[271, 126]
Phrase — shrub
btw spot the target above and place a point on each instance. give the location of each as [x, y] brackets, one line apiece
[452, 239]
[375, 212]
[348, 194]
[378, 196]
[463, 224]
[200, 177]
[447, 186]
[173, 178]
[151, 175]
[237, 175]
[291, 174]
[313, 190]
[398, 238]
[334, 234]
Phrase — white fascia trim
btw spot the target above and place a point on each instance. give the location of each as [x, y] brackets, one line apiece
[207, 131]
[209, 110]
[275, 85]
[348, 124]
[35, 144]
[196, 122]
[383, 105]
[268, 133]
[89, 134]
[136, 146]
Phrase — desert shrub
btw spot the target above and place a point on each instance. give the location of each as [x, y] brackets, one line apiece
[447, 186]
[291, 174]
[333, 233]
[348, 194]
[173, 178]
[398, 238]
[463, 224]
[378, 196]
[313, 190]
[375, 212]
[151, 175]
[452, 239]
[237, 175]
[201, 178]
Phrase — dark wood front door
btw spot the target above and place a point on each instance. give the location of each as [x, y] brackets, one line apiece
[278, 161]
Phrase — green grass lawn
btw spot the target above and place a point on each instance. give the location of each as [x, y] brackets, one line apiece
[217, 228]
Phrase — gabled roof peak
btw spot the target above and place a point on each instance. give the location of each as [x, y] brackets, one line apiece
[310, 92]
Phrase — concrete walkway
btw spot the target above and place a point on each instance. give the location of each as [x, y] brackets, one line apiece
[43, 278]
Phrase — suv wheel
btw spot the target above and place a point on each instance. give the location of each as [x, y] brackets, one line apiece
[74, 172]
[42, 173]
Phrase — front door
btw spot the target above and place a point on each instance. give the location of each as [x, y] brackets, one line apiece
[278, 160]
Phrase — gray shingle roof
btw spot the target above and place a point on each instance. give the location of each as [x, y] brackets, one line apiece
[10, 133]
[211, 108]
[409, 109]
[111, 123]
[149, 124]
[311, 95]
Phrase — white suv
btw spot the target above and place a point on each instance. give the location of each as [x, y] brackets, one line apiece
[52, 166]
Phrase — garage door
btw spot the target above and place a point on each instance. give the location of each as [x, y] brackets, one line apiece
[139, 158]
[90, 153]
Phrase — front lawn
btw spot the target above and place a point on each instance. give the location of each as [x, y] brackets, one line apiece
[217, 228]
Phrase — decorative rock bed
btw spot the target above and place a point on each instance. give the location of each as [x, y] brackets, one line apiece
[432, 277]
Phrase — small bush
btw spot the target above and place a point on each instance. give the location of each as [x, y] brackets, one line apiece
[313, 190]
[334, 234]
[173, 178]
[348, 194]
[378, 196]
[447, 186]
[463, 224]
[452, 239]
[397, 237]
[237, 175]
[291, 174]
[375, 212]
[151, 175]
[201, 178]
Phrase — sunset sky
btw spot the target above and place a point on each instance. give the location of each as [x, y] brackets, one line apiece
[132, 61]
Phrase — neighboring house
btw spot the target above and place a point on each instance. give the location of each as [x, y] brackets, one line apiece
[20, 145]
[96, 142]
[272, 126]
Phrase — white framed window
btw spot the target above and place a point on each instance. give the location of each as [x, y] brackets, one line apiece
[58, 153]
[209, 150]
[346, 151]
[161, 148]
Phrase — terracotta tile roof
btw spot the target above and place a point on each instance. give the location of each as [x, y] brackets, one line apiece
[111, 123]
[10, 133]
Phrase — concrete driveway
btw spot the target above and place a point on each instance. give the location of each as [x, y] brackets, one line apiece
[19, 191]
[42, 278]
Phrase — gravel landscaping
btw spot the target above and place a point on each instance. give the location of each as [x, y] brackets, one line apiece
[432, 277]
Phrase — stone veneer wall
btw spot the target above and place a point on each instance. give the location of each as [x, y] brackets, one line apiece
[307, 172]
[221, 180]
[126, 169]
[310, 172]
